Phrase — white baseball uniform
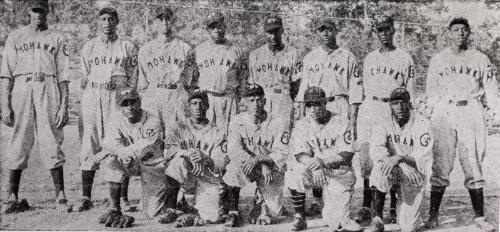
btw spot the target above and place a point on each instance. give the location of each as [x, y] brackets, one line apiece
[163, 73]
[337, 73]
[106, 67]
[245, 139]
[36, 62]
[414, 139]
[183, 138]
[219, 71]
[274, 71]
[457, 88]
[382, 73]
[322, 141]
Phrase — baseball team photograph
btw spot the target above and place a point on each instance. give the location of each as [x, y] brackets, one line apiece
[239, 115]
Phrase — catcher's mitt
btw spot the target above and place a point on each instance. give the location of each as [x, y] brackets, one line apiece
[115, 218]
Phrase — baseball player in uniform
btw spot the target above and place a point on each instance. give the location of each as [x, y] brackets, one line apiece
[257, 149]
[321, 156]
[220, 66]
[35, 101]
[335, 70]
[275, 66]
[384, 70]
[163, 71]
[202, 145]
[461, 82]
[108, 63]
[401, 150]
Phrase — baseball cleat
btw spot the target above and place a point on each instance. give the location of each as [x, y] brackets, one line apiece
[168, 216]
[351, 226]
[126, 206]
[10, 207]
[232, 220]
[62, 204]
[483, 225]
[314, 210]
[84, 205]
[393, 215]
[189, 219]
[299, 223]
[377, 225]
[431, 223]
[364, 215]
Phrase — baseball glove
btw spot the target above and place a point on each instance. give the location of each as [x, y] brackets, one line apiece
[115, 218]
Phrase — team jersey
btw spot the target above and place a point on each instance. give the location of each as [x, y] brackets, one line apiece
[143, 138]
[183, 137]
[336, 72]
[28, 51]
[461, 77]
[384, 72]
[247, 139]
[163, 62]
[219, 66]
[415, 139]
[274, 71]
[100, 60]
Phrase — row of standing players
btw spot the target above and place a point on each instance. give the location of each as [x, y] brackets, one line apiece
[460, 84]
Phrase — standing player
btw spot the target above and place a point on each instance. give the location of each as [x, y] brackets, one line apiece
[335, 70]
[109, 63]
[203, 145]
[401, 150]
[275, 67]
[384, 70]
[461, 82]
[322, 157]
[220, 66]
[35, 101]
[257, 149]
[163, 70]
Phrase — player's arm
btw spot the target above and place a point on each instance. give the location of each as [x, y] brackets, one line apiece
[9, 61]
[142, 78]
[411, 82]
[355, 93]
[84, 66]
[298, 66]
[489, 83]
[132, 65]
[189, 70]
[432, 88]
[62, 67]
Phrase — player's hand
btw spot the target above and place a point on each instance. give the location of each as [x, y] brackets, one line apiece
[8, 116]
[267, 174]
[61, 117]
[388, 164]
[412, 174]
[220, 164]
[248, 166]
[83, 83]
[314, 163]
[319, 178]
[352, 128]
[195, 157]
[126, 159]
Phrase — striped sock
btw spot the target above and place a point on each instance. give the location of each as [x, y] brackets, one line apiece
[298, 202]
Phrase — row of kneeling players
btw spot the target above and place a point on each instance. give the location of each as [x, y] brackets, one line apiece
[300, 129]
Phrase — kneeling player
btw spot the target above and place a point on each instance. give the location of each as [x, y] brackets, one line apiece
[322, 157]
[401, 150]
[257, 148]
[203, 147]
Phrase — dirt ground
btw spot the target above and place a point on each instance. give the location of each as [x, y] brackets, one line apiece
[37, 188]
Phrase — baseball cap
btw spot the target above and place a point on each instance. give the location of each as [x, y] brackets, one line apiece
[383, 21]
[216, 17]
[272, 23]
[400, 94]
[314, 94]
[126, 94]
[459, 20]
[39, 4]
[325, 22]
[253, 90]
[107, 8]
[164, 13]
[198, 94]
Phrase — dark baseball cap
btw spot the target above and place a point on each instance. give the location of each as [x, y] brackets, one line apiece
[253, 90]
[459, 20]
[216, 17]
[400, 94]
[198, 94]
[164, 13]
[383, 21]
[126, 94]
[325, 22]
[108, 9]
[39, 4]
[272, 23]
[314, 94]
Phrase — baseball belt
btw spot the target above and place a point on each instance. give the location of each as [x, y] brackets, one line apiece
[459, 103]
[106, 85]
[167, 86]
[40, 77]
[381, 99]
[217, 94]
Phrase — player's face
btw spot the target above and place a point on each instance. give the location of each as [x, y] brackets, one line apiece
[198, 108]
[316, 109]
[131, 108]
[385, 34]
[255, 104]
[327, 34]
[217, 31]
[164, 26]
[400, 109]
[459, 34]
[38, 17]
[274, 37]
[107, 24]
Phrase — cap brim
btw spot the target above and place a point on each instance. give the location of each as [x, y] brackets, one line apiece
[269, 28]
[107, 10]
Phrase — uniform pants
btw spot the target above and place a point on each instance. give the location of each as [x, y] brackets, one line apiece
[167, 104]
[35, 105]
[337, 194]
[459, 130]
[279, 106]
[221, 109]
